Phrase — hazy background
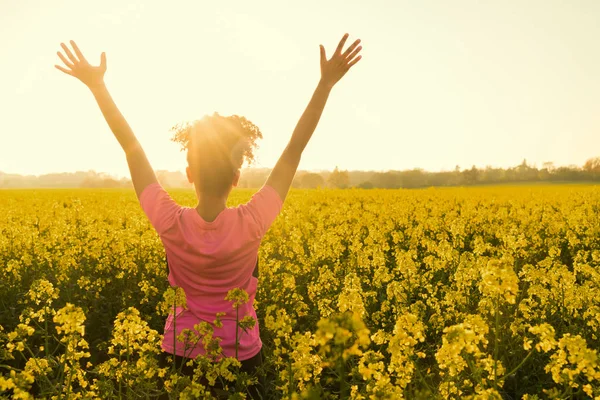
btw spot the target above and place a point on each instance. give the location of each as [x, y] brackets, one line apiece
[441, 83]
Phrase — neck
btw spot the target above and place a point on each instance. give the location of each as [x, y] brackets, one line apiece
[210, 206]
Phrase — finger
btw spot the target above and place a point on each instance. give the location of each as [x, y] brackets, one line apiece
[66, 71]
[103, 60]
[69, 54]
[354, 53]
[323, 55]
[78, 52]
[351, 63]
[340, 46]
[351, 48]
[64, 60]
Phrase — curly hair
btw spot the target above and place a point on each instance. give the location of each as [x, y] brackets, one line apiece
[217, 147]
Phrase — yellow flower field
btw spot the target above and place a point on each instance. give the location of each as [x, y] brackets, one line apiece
[480, 293]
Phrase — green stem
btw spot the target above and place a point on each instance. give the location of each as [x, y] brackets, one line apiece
[474, 371]
[290, 379]
[496, 340]
[518, 366]
[423, 379]
[119, 381]
[46, 331]
[70, 372]
[36, 363]
[343, 386]
[69, 382]
[62, 372]
[173, 366]
[128, 366]
[237, 320]
[185, 356]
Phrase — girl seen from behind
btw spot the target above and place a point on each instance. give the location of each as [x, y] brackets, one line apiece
[211, 248]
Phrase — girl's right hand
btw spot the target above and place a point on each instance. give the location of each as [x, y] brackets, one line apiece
[335, 68]
[79, 67]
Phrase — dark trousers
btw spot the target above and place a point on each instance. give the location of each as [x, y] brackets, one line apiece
[249, 366]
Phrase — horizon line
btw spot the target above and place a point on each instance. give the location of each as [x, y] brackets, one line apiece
[533, 165]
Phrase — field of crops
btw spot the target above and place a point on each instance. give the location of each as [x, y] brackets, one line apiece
[439, 293]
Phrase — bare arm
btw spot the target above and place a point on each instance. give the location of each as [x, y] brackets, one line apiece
[142, 173]
[332, 71]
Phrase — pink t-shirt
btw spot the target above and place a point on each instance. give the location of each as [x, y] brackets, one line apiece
[207, 259]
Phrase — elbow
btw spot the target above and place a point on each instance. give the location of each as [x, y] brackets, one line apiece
[293, 151]
[132, 148]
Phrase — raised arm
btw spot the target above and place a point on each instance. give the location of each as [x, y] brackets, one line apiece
[142, 173]
[332, 71]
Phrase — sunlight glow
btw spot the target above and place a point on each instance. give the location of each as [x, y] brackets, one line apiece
[440, 83]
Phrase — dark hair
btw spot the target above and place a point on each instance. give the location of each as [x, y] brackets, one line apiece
[217, 147]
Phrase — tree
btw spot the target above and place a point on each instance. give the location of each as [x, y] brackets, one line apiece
[548, 165]
[338, 179]
[387, 180]
[414, 178]
[470, 175]
[592, 167]
[491, 175]
[311, 180]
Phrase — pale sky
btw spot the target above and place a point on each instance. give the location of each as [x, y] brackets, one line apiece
[441, 83]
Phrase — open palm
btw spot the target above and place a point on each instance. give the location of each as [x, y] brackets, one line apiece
[80, 68]
[335, 68]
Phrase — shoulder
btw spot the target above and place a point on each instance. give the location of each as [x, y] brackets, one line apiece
[262, 209]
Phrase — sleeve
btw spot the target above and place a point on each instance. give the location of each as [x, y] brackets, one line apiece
[264, 206]
[160, 208]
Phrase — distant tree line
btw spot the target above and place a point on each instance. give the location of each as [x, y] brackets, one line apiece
[89, 179]
[418, 178]
[415, 178]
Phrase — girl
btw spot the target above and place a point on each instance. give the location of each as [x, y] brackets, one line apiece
[211, 248]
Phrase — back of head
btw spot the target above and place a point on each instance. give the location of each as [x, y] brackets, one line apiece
[217, 147]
